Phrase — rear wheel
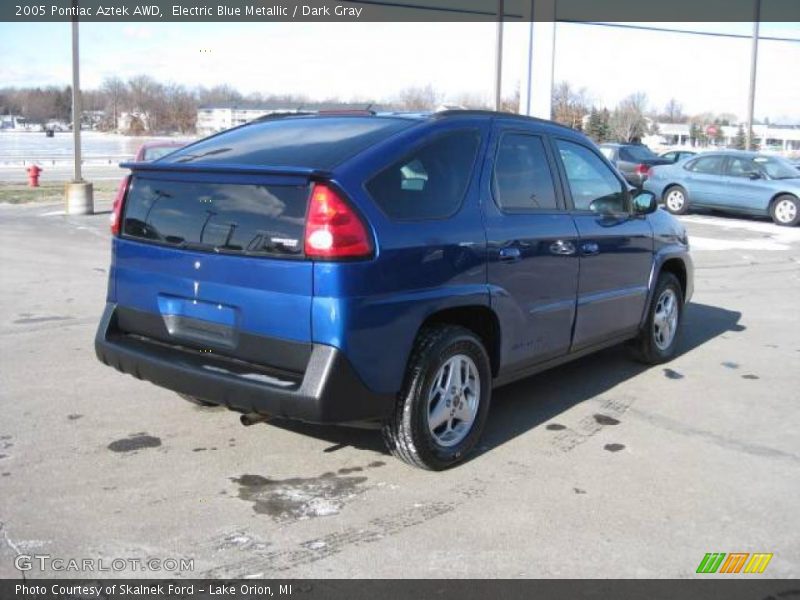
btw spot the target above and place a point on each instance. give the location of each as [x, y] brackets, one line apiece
[676, 200]
[658, 340]
[785, 210]
[441, 412]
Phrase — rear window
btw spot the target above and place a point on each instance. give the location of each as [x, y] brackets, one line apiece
[429, 183]
[635, 153]
[217, 217]
[157, 152]
[311, 142]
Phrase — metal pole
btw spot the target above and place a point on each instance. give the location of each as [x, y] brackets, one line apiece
[76, 98]
[751, 101]
[498, 67]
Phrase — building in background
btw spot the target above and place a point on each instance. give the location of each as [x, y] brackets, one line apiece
[213, 119]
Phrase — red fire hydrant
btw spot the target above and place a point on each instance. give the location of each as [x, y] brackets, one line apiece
[33, 175]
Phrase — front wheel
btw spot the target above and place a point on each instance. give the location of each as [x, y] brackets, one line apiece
[441, 412]
[676, 201]
[658, 340]
[785, 210]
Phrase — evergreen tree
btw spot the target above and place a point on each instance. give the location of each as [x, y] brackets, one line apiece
[739, 142]
[594, 126]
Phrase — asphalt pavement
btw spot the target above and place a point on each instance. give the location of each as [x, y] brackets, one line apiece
[600, 468]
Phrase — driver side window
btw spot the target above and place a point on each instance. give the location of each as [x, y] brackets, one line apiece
[593, 185]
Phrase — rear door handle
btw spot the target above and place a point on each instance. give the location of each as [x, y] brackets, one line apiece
[590, 248]
[562, 248]
[510, 254]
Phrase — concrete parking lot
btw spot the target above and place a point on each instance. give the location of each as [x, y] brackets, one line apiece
[600, 468]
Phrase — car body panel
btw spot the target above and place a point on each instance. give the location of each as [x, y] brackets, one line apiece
[558, 283]
[723, 191]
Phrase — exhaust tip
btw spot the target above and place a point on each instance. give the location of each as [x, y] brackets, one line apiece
[249, 419]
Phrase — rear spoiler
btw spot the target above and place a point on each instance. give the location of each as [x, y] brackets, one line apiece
[227, 168]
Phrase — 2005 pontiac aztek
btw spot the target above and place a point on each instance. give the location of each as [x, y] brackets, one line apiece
[384, 268]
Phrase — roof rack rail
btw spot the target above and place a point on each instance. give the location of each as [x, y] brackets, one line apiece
[492, 113]
[280, 115]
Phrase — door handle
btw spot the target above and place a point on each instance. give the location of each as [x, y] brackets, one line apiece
[590, 248]
[562, 248]
[510, 254]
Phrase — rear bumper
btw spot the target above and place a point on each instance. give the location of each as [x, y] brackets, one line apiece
[327, 391]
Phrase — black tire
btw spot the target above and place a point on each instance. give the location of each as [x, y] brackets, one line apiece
[406, 432]
[779, 216]
[674, 209]
[646, 346]
[196, 400]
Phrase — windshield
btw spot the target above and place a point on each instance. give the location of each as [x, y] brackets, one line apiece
[776, 167]
[634, 153]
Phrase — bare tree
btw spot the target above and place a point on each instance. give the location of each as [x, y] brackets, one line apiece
[114, 90]
[569, 106]
[673, 111]
[627, 121]
[419, 98]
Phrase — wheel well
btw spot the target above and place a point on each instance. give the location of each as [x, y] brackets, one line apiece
[778, 195]
[677, 268]
[481, 321]
[668, 187]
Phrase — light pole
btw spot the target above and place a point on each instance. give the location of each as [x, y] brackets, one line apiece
[751, 100]
[78, 193]
[498, 67]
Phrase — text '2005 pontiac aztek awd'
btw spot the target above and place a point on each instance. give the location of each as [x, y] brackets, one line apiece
[390, 269]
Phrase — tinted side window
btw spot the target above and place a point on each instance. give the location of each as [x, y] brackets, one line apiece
[741, 167]
[711, 165]
[592, 184]
[522, 179]
[431, 182]
[636, 153]
[608, 153]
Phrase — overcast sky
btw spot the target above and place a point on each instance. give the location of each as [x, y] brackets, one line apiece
[375, 60]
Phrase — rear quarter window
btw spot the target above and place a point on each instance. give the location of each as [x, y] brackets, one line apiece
[430, 182]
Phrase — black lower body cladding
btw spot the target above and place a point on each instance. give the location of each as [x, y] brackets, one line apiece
[326, 390]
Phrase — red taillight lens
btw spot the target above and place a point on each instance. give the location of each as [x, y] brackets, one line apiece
[116, 210]
[333, 229]
[643, 169]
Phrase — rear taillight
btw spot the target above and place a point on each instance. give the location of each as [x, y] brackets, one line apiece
[643, 169]
[116, 209]
[333, 228]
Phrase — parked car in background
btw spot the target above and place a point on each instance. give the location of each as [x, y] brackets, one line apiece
[385, 268]
[675, 156]
[734, 181]
[634, 161]
[155, 150]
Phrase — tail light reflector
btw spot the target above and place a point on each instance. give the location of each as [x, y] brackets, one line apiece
[333, 228]
[116, 210]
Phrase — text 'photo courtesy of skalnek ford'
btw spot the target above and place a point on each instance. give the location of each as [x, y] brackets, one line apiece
[348, 299]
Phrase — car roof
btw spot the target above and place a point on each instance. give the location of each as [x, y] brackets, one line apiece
[413, 115]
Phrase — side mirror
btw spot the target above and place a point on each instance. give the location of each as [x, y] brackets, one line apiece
[645, 203]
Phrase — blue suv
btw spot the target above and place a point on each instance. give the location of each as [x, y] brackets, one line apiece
[388, 269]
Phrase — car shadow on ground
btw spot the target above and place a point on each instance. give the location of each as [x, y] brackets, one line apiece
[532, 402]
